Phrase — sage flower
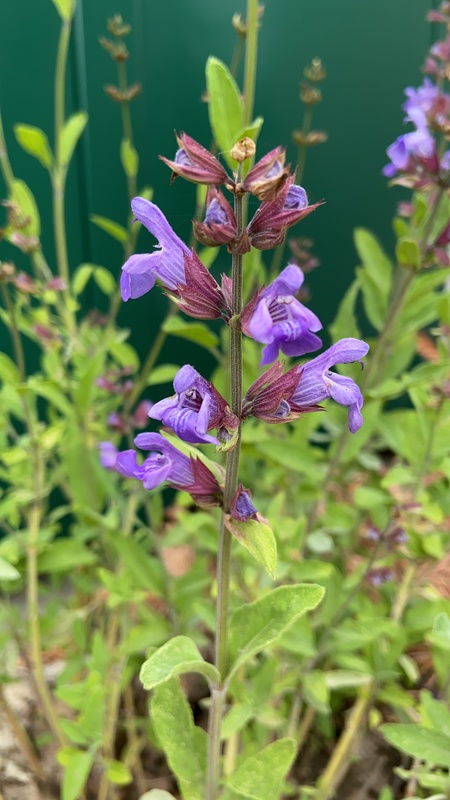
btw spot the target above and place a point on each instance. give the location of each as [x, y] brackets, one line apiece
[196, 408]
[317, 382]
[166, 263]
[280, 321]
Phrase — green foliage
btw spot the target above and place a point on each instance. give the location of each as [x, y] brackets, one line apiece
[260, 777]
[35, 142]
[70, 135]
[225, 107]
[184, 744]
[258, 539]
[178, 656]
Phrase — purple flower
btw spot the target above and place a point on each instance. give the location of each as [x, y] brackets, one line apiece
[280, 321]
[421, 102]
[268, 176]
[165, 464]
[108, 455]
[166, 263]
[219, 224]
[416, 145]
[196, 408]
[317, 382]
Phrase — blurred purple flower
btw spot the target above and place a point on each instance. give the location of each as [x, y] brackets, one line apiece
[108, 455]
[166, 263]
[317, 382]
[280, 321]
[409, 148]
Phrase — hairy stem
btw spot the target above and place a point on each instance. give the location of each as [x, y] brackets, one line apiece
[224, 558]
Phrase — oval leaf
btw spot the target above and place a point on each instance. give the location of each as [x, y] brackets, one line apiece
[24, 198]
[7, 571]
[255, 626]
[35, 142]
[129, 158]
[71, 132]
[225, 106]
[64, 8]
[192, 331]
[115, 230]
[419, 742]
[261, 776]
[177, 656]
[77, 768]
[259, 540]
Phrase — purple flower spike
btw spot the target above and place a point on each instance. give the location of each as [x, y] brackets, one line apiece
[280, 321]
[317, 382]
[414, 146]
[196, 408]
[166, 263]
[108, 455]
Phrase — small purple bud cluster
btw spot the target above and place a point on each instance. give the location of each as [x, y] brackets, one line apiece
[416, 158]
[275, 317]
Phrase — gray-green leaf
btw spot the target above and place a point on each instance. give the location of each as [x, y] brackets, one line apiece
[177, 656]
[260, 777]
[255, 626]
[258, 539]
[419, 742]
[183, 743]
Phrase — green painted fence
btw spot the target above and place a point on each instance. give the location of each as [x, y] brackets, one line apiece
[371, 50]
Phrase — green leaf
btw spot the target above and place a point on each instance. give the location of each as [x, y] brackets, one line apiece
[65, 555]
[8, 370]
[346, 679]
[165, 373]
[440, 634]
[24, 198]
[261, 776]
[129, 158]
[81, 277]
[35, 142]
[125, 354]
[192, 331]
[256, 626]
[177, 656]
[258, 539]
[374, 276]
[419, 742]
[118, 773]
[7, 571]
[104, 280]
[70, 134]
[115, 230]
[407, 252]
[317, 693]
[183, 743]
[225, 106]
[64, 8]
[435, 713]
[77, 767]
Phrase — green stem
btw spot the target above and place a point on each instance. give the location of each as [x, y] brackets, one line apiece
[5, 165]
[338, 763]
[58, 173]
[15, 335]
[251, 57]
[224, 558]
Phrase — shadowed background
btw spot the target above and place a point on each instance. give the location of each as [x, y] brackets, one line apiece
[371, 52]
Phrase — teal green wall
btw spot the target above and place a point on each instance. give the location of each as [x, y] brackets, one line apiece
[371, 50]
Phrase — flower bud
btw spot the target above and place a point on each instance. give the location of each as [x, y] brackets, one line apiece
[310, 139]
[310, 95]
[200, 295]
[268, 227]
[315, 71]
[219, 224]
[243, 150]
[268, 176]
[241, 506]
[195, 163]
